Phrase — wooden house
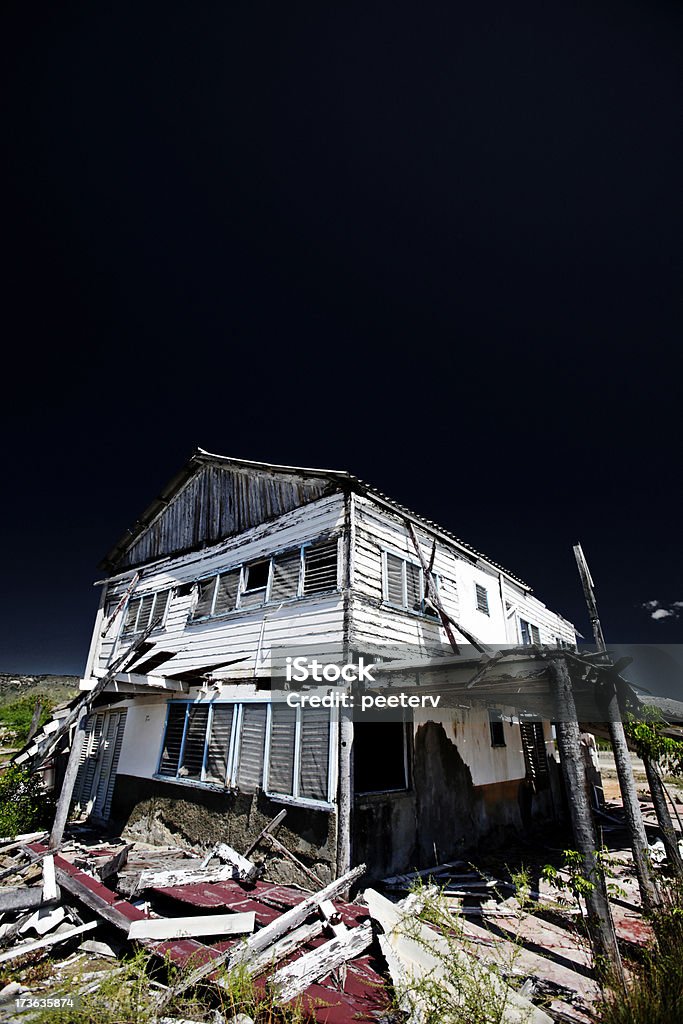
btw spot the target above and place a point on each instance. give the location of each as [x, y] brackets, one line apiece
[236, 565]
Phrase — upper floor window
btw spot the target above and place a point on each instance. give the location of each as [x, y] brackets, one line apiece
[299, 572]
[141, 611]
[482, 596]
[404, 584]
[496, 728]
[530, 633]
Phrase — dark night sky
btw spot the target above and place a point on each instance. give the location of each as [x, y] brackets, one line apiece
[437, 245]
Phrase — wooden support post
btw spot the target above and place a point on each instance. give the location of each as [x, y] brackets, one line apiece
[35, 720]
[69, 780]
[345, 805]
[600, 922]
[663, 817]
[627, 784]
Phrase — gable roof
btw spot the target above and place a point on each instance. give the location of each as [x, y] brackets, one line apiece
[315, 483]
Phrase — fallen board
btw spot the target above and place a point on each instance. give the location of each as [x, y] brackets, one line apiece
[186, 927]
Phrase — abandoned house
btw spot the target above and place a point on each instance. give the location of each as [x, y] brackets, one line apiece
[236, 561]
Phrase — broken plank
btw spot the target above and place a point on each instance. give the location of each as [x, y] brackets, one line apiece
[277, 845]
[184, 876]
[243, 868]
[277, 820]
[185, 927]
[30, 947]
[244, 952]
[93, 901]
[113, 865]
[293, 979]
[24, 898]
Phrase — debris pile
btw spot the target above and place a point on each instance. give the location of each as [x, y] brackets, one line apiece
[89, 902]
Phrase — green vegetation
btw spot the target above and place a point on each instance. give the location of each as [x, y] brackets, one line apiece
[24, 806]
[16, 717]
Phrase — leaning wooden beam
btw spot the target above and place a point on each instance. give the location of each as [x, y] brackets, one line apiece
[69, 780]
[281, 848]
[599, 917]
[270, 827]
[92, 901]
[244, 952]
[30, 947]
[622, 758]
[666, 825]
[446, 621]
[55, 738]
[293, 979]
[185, 927]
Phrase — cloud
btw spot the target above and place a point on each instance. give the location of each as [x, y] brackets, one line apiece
[660, 610]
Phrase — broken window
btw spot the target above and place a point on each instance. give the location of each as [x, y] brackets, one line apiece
[286, 571]
[380, 757]
[143, 610]
[482, 595]
[320, 567]
[255, 579]
[530, 633]
[497, 728]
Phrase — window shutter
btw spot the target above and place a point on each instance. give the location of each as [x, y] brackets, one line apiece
[533, 745]
[413, 588]
[145, 613]
[131, 615]
[535, 635]
[195, 738]
[250, 770]
[286, 568]
[88, 759]
[219, 743]
[394, 580]
[160, 606]
[205, 600]
[281, 761]
[320, 567]
[117, 726]
[226, 594]
[173, 739]
[482, 598]
[315, 752]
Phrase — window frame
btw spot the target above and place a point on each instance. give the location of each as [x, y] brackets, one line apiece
[407, 560]
[496, 719]
[126, 633]
[530, 627]
[480, 589]
[234, 750]
[243, 567]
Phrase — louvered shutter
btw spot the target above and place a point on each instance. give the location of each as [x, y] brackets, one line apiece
[482, 598]
[173, 739]
[160, 606]
[413, 587]
[219, 743]
[226, 594]
[195, 740]
[315, 753]
[286, 568]
[131, 615]
[320, 567]
[88, 760]
[145, 613]
[394, 581]
[112, 740]
[282, 737]
[252, 742]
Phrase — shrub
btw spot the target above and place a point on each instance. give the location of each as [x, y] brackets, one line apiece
[24, 804]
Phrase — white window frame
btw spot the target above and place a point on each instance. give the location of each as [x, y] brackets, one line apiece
[406, 559]
[531, 626]
[140, 597]
[244, 570]
[233, 754]
[477, 588]
[294, 798]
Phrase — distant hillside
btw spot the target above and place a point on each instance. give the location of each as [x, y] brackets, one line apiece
[14, 686]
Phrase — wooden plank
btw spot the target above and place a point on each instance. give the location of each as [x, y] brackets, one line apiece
[30, 947]
[24, 898]
[184, 927]
[184, 876]
[244, 952]
[295, 978]
[273, 824]
[242, 866]
[114, 864]
[92, 901]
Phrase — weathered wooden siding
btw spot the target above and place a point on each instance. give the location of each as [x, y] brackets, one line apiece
[245, 635]
[375, 626]
[219, 502]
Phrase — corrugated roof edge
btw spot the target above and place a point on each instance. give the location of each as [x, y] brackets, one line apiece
[201, 456]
